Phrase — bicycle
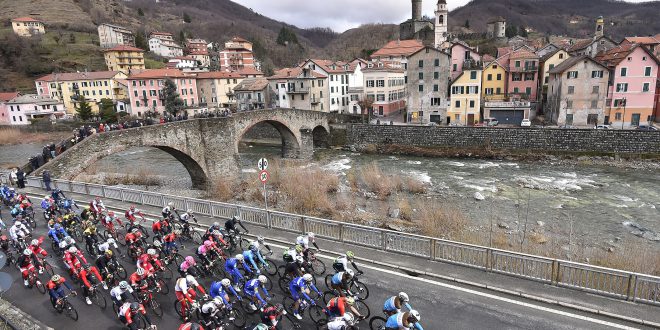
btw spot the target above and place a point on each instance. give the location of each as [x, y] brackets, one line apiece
[97, 297]
[316, 313]
[192, 308]
[188, 232]
[317, 266]
[360, 290]
[359, 304]
[146, 298]
[45, 265]
[34, 281]
[110, 231]
[236, 240]
[63, 305]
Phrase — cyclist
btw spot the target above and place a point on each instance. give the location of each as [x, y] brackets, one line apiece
[90, 234]
[249, 261]
[345, 322]
[185, 221]
[83, 274]
[341, 263]
[106, 245]
[294, 269]
[55, 290]
[86, 213]
[393, 304]
[222, 289]
[230, 225]
[231, 267]
[216, 237]
[190, 326]
[105, 263]
[168, 210]
[26, 264]
[302, 285]
[132, 238]
[185, 291]
[138, 279]
[161, 227]
[170, 241]
[57, 233]
[128, 311]
[18, 231]
[262, 241]
[36, 248]
[272, 315]
[291, 254]
[188, 266]
[210, 310]
[252, 291]
[204, 253]
[337, 307]
[108, 221]
[131, 213]
[305, 240]
[96, 206]
[56, 194]
[256, 252]
[119, 294]
[150, 260]
[212, 228]
[404, 320]
[341, 282]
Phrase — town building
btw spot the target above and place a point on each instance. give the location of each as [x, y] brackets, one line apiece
[523, 75]
[496, 28]
[124, 58]
[22, 109]
[441, 25]
[577, 91]
[548, 62]
[494, 80]
[590, 47]
[237, 55]
[216, 89]
[428, 86]
[385, 86]
[462, 55]
[651, 42]
[5, 119]
[356, 86]
[249, 72]
[112, 35]
[397, 51]
[338, 74]
[254, 94]
[632, 85]
[465, 96]
[145, 90]
[201, 57]
[71, 88]
[196, 45]
[163, 44]
[182, 62]
[301, 88]
[547, 49]
[28, 27]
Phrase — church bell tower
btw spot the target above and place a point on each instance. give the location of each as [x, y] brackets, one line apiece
[441, 16]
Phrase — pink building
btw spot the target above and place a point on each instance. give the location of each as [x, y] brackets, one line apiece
[4, 108]
[631, 96]
[462, 57]
[523, 74]
[145, 90]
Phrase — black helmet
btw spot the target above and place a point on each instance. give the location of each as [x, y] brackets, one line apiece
[195, 326]
[135, 306]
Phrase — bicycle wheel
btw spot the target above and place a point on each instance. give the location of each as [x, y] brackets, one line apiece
[177, 308]
[121, 272]
[245, 304]
[99, 300]
[288, 305]
[328, 281]
[281, 270]
[316, 314]
[377, 323]
[167, 273]
[271, 269]
[48, 268]
[328, 295]
[196, 236]
[318, 267]
[40, 286]
[269, 285]
[164, 288]
[71, 312]
[177, 259]
[363, 308]
[283, 283]
[156, 307]
[140, 322]
[239, 318]
[245, 244]
[360, 290]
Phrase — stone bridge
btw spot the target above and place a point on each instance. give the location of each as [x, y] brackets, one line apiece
[208, 148]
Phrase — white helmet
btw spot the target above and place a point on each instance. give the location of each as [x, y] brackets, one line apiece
[403, 297]
[225, 282]
[300, 239]
[414, 314]
[140, 271]
[300, 259]
[350, 273]
[239, 257]
[189, 211]
[111, 240]
[349, 318]
[263, 279]
[310, 235]
[27, 252]
[73, 249]
[34, 242]
[308, 278]
[260, 239]
[151, 252]
[62, 244]
[218, 301]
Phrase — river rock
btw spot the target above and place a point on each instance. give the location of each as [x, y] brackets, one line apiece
[540, 223]
[503, 225]
[478, 196]
[610, 249]
[394, 213]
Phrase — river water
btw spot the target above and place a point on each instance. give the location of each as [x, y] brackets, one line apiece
[597, 204]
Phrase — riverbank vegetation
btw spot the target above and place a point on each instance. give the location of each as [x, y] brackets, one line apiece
[11, 136]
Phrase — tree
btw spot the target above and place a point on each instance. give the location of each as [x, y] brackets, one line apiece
[141, 41]
[84, 110]
[286, 36]
[186, 18]
[171, 100]
[107, 111]
[366, 104]
[467, 24]
[523, 32]
[140, 12]
[182, 36]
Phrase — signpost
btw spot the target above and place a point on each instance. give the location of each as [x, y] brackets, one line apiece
[262, 165]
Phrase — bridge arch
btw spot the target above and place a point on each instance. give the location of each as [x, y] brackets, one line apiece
[291, 142]
[321, 137]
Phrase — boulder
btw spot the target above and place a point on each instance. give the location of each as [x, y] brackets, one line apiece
[478, 196]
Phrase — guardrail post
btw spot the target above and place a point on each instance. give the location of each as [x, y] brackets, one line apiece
[632, 279]
[383, 238]
[86, 189]
[103, 191]
[162, 200]
[304, 225]
[489, 260]
[553, 274]
[557, 275]
[70, 186]
[210, 209]
[269, 222]
[341, 232]
[142, 198]
[432, 247]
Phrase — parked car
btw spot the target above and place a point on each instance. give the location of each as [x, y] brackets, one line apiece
[603, 127]
[526, 123]
[491, 122]
[646, 128]
[567, 127]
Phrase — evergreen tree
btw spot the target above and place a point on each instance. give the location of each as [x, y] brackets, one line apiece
[84, 110]
[182, 36]
[511, 31]
[467, 24]
[186, 18]
[286, 36]
[140, 12]
[172, 101]
[523, 32]
[107, 111]
[140, 41]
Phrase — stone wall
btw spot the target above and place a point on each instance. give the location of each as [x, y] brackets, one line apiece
[514, 139]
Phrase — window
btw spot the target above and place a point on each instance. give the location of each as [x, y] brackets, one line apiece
[624, 72]
[380, 83]
[489, 91]
[380, 97]
[647, 71]
[498, 90]
[551, 66]
[594, 104]
[489, 77]
[458, 104]
[471, 103]
[473, 75]
[516, 77]
[436, 75]
[436, 88]
[454, 67]
[569, 104]
[622, 87]
[618, 116]
[436, 62]
[571, 89]
[421, 76]
[517, 64]
[529, 76]
[619, 103]
[421, 63]
[572, 75]
[436, 101]
[528, 91]
[516, 90]
[595, 90]
[561, 56]
[597, 74]
[646, 87]
[137, 103]
[370, 83]
[546, 80]
[499, 76]
[421, 88]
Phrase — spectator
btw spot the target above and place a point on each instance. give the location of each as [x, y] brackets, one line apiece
[13, 179]
[45, 153]
[20, 177]
[46, 178]
[52, 150]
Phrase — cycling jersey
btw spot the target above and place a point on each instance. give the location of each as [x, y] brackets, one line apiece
[97, 206]
[55, 289]
[117, 292]
[183, 284]
[337, 279]
[18, 230]
[337, 306]
[126, 315]
[337, 324]
[393, 304]
[217, 290]
[270, 315]
[298, 286]
[396, 321]
[209, 308]
[249, 261]
[57, 234]
[252, 290]
[231, 267]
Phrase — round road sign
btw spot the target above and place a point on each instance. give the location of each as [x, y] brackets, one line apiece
[264, 176]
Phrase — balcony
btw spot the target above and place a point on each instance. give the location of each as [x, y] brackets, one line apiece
[471, 64]
[315, 100]
[302, 90]
[526, 68]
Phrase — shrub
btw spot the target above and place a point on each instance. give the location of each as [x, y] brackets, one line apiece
[415, 186]
[440, 220]
[376, 182]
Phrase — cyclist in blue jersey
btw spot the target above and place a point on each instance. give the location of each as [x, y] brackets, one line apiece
[300, 288]
[393, 304]
[231, 267]
[341, 282]
[222, 289]
[250, 264]
[403, 321]
[252, 291]
[57, 233]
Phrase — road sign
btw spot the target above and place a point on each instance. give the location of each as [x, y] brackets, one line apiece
[262, 165]
[264, 176]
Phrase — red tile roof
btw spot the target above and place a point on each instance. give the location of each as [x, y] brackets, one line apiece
[71, 76]
[487, 58]
[158, 74]
[25, 19]
[326, 65]
[218, 75]
[249, 71]
[399, 48]
[580, 44]
[5, 97]
[286, 73]
[124, 48]
[523, 52]
[614, 56]
[652, 40]
[239, 39]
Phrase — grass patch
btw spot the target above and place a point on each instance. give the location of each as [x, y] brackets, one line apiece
[308, 192]
[376, 182]
[441, 221]
[10, 136]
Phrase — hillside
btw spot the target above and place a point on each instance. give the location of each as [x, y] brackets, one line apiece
[555, 16]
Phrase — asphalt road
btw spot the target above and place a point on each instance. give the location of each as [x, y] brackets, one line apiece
[441, 305]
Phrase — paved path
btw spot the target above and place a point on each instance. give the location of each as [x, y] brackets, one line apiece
[442, 305]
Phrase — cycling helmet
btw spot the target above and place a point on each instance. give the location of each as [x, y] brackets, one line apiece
[123, 285]
[189, 211]
[97, 198]
[132, 207]
[300, 239]
[157, 243]
[208, 243]
[300, 259]
[350, 273]
[134, 307]
[413, 316]
[350, 301]
[57, 226]
[27, 252]
[111, 240]
[151, 252]
[350, 254]
[170, 204]
[308, 278]
[299, 248]
[310, 235]
[218, 301]
[260, 239]
[216, 224]
[34, 242]
[261, 326]
[254, 246]
[73, 249]
[349, 318]
[62, 244]
[46, 197]
[177, 232]
[263, 279]
[403, 297]
[190, 260]
[112, 214]
[134, 230]
[140, 271]
[225, 282]
[108, 252]
[69, 240]
[240, 257]
[56, 278]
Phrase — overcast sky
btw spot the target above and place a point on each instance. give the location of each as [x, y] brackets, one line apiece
[341, 15]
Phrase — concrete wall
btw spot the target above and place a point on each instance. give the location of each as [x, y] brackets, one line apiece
[536, 139]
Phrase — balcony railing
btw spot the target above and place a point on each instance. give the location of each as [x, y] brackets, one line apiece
[303, 90]
[526, 68]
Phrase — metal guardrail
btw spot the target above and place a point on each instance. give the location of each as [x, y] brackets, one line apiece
[599, 280]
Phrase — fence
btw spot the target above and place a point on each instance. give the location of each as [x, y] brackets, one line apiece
[603, 281]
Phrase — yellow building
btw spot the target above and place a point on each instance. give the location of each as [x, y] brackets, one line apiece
[124, 58]
[28, 26]
[70, 88]
[494, 79]
[549, 61]
[465, 104]
[216, 88]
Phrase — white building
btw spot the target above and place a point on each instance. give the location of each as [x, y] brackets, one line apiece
[112, 35]
[341, 77]
[163, 44]
[23, 108]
